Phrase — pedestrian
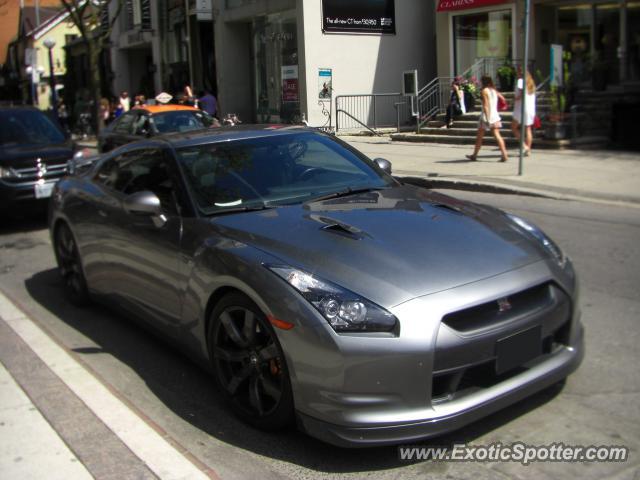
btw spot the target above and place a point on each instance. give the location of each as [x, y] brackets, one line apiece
[63, 115]
[208, 103]
[489, 119]
[189, 99]
[456, 105]
[530, 104]
[104, 110]
[125, 101]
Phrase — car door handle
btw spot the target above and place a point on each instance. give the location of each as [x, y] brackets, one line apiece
[102, 213]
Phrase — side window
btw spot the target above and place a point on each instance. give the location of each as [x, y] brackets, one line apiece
[145, 169]
[125, 124]
[107, 173]
[142, 125]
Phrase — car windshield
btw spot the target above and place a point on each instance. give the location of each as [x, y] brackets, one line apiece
[181, 121]
[275, 170]
[28, 127]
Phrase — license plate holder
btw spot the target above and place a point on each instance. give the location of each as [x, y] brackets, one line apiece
[43, 190]
[517, 349]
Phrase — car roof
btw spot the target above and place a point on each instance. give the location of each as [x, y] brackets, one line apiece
[229, 133]
[165, 108]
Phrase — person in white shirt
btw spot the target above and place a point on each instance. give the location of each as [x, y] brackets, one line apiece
[530, 104]
[489, 119]
[125, 101]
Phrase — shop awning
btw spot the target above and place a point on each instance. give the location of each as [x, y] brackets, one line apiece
[451, 5]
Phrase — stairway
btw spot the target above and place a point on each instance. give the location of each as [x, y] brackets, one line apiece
[464, 128]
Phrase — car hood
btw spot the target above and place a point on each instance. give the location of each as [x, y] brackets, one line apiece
[389, 245]
[24, 156]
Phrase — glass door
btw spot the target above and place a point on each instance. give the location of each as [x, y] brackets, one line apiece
[276, 68]
[607, 42]
[633, 41]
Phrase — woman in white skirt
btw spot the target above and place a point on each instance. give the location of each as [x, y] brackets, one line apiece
[530, 101]
[489, 119]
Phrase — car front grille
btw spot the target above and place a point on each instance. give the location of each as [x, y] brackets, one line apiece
[49, 170]
[487, 314]
[465, 355]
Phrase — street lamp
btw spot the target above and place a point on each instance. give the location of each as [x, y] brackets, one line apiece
[50, 43]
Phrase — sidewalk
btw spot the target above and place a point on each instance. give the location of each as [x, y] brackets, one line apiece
[58, 421]
[591, 175]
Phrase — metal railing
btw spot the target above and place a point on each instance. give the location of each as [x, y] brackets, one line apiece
[371, 111]
[432, 99]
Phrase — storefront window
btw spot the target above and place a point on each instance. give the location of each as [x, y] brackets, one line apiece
[277, 89]
[607, 40]
[481, 35]
[574, 34]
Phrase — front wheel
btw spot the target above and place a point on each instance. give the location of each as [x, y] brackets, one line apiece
[70, 266]
[248, 363]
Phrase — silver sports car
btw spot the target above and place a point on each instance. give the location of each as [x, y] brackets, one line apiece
[317, 288]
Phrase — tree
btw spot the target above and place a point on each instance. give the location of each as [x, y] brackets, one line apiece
[94, 23]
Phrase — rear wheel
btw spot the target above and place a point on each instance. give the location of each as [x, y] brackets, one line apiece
[70, 266]
[248, 363]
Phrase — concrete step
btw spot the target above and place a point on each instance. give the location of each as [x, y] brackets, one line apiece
[461, 132]
[451, 139]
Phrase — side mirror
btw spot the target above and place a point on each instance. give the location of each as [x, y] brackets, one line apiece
[143, 203]
[384, 164]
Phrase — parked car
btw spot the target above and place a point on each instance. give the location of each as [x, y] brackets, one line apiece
[34, 152]
[151, 120]
[316, 286]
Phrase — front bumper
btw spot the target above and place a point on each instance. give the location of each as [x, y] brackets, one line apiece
[437, 374]
[440, 419]
[22, 194]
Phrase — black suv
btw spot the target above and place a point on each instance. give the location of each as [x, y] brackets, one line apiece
[34, 152]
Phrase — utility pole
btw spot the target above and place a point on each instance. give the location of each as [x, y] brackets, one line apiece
[523, 96]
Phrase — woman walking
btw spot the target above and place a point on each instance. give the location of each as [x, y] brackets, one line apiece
[530, 104]
[489, 119]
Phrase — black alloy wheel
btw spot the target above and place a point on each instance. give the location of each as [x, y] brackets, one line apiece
[70, 266]
[249, 365]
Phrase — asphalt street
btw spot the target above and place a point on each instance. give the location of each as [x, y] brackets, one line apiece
[599, 405]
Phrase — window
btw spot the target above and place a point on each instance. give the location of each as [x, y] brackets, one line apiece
[125, 123]
[137, 171]
[481, 35]
[280, 169]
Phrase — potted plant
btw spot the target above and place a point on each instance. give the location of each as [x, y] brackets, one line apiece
[506, 76]
[470, 89]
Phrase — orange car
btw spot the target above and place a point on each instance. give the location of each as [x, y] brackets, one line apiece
[150, 120]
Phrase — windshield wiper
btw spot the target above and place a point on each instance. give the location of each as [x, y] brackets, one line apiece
[240, 209]
[344, 193]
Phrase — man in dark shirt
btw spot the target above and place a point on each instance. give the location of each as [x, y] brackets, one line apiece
[208, 103]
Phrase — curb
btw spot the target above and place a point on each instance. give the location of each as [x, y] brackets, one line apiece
[491, 186]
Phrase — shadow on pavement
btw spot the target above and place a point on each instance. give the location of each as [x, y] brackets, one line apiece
[189, 392]
[23, 221]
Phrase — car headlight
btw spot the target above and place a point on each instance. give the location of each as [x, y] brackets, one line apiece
[7, 172]
[344, 310]
[80, 154]
[539, 235]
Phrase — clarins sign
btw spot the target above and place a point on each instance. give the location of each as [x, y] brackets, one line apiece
[449, 5]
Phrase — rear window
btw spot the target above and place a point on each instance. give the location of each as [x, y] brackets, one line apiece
[181, 121]
[28, 127]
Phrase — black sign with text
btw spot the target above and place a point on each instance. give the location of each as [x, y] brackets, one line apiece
[359, 16]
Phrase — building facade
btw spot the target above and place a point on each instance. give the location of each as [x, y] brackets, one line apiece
[284, 60]
[599, 36]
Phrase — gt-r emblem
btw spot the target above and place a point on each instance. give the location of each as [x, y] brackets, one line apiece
[504, 305]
